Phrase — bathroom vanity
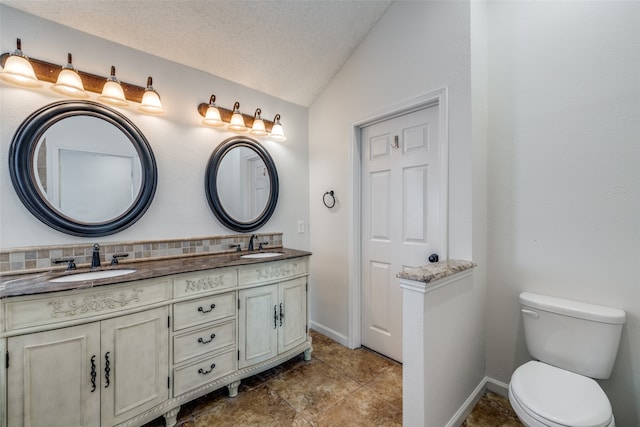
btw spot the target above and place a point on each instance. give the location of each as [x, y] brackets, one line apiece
[123, 350]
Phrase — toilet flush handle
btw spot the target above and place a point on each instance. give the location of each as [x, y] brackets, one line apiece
[531, 313]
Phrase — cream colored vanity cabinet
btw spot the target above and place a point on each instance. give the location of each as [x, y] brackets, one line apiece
[124, 354]
[273, 315]
[98, 372]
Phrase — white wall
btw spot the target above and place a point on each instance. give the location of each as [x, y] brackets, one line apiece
[564, 173]
[181, 145]
[416, 48]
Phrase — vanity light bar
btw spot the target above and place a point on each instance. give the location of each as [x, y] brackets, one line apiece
[226, 114]
[48, 72]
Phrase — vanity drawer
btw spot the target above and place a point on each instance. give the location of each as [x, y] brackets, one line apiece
[203, 341]
[56, 307]
[275, 271]
[204, 282]
[203, 372]
[203, 310]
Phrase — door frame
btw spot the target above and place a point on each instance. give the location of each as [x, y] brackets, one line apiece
[438, 97]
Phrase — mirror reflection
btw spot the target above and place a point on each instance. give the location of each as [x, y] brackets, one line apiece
[87, 169]
[243, 184]
[82, 168]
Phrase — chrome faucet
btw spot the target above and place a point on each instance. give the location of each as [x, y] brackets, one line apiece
[251, 239]
[95, 259]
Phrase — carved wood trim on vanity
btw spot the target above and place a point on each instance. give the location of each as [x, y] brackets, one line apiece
[202, 305]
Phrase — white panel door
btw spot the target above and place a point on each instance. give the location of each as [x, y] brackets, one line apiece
[401, 220]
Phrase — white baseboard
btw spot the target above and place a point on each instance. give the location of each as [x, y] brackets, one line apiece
[497, 387]
[468, 405]
[328, 332]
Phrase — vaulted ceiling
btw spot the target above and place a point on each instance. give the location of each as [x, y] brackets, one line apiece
[290, 49]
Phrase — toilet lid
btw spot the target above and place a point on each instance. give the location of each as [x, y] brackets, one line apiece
[560, 397]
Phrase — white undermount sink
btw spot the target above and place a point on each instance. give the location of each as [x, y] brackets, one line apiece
[261, 255]
[92, 275]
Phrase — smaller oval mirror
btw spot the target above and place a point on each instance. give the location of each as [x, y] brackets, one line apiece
[241, 184]
[82, 168]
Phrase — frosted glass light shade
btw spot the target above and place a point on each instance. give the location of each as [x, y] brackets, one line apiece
[18, 70]
[112, 92]
[212, 117]
[69, 82]
[151, 100]
[237, 121]
[277, 133]
[258, 128]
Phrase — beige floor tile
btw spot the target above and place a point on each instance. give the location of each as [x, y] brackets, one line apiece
[388, 385]
[492, 410]
[260, 406]
[360, 364]
[312, 387]
[362, 408]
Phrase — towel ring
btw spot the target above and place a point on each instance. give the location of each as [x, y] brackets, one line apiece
[332, 203]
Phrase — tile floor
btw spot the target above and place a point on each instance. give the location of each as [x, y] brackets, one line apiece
[338, 387]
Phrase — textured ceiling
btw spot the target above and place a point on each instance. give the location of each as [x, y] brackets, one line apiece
[288, 49]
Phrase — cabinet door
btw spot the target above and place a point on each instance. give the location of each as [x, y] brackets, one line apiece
[49, 378]
[136, 349]
[258, 323]
[293, 313]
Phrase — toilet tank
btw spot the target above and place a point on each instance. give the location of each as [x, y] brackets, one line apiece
[576, 336]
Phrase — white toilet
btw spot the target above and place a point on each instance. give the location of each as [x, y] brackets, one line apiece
[573, 342]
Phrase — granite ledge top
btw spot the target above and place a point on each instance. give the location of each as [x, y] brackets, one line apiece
[437, 270]
[38, 283]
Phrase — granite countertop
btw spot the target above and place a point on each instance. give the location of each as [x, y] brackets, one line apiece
[437, 270]
[38, 283]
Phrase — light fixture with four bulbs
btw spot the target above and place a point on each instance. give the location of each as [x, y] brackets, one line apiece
[67, 80]
[235, 121]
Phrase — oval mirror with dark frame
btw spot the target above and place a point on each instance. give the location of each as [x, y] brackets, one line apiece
[241, 184]
[82, 168]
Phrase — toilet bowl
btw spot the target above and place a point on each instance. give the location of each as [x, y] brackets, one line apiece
[572, 343]
[545, 396]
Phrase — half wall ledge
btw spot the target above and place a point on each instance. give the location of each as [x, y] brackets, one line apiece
[437, 270]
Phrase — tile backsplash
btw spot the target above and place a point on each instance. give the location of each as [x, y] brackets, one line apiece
[35, 259]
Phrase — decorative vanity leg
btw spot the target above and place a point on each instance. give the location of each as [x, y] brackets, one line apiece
[233, 388]
[171, 417]
[307, 354]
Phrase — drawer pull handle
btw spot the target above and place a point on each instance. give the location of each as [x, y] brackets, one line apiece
[107, 369]
[203, 311]
[94, 374]
[203, 372]
[201, 341]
